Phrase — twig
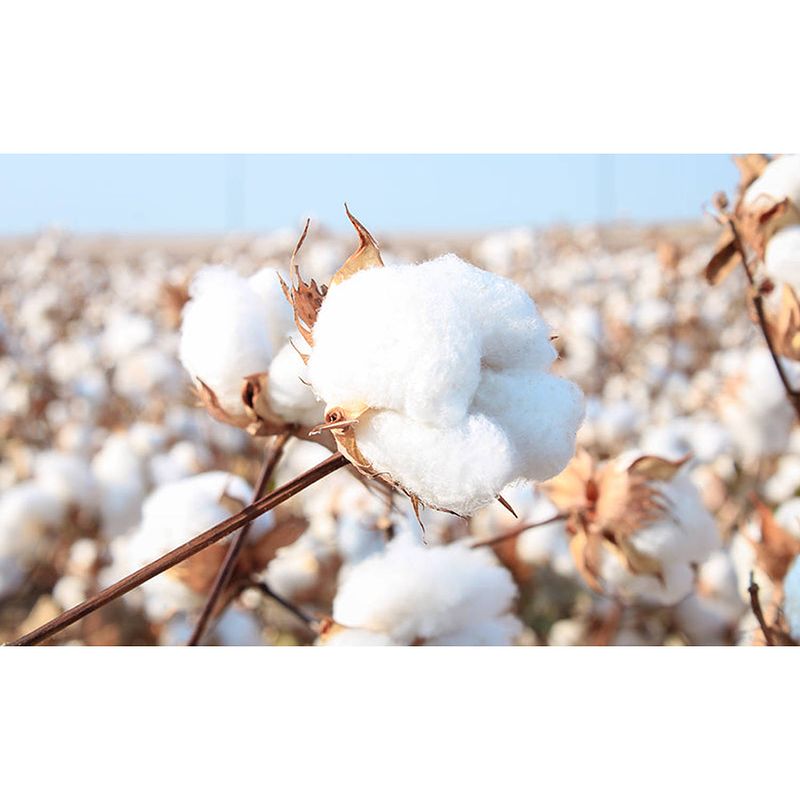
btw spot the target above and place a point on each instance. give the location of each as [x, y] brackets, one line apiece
[758, 302]
[755, 604]
[516, 531]
[303, 616]
[223, 577]
[187, 550]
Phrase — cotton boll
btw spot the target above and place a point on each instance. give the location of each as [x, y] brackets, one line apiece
[413, 593]
[182, 460]
[278, 316]
[782, 259]
[780, 180]
[145, 373]
[675, 583]
[710, 615]
[67, 477]
[224, 335]
[119, 473]
[567, 633]
[791, 601]
[357, 637]
[289, 392]
[123, 335]
[69, 591]
[498, 632]
[453, 373]
[787, 515]
[174, 514]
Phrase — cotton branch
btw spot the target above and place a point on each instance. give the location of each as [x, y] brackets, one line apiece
[758, 302]
[304, 617]
[516, 531]
[187, 550]
[755, 604]
[271, 457]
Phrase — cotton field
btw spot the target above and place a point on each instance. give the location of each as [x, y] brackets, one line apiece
[568, 436]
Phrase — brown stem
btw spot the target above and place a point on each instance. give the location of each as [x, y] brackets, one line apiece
[187, 550]
[298, 612]
[516, 531]
[223, 577]
[758, 302]
[755, 604]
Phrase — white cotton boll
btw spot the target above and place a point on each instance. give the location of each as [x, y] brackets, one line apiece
[12, 575]
[791, 601]
[498, 632]
[357, 637]
[452, 361]
[224, 335]
[83, 556]
[297, 568]
[67, 477]
[278, 314]
[780, 180]
[68, 359]
[411, 592]
[120, 476]
[69, 591]
[567, 633]
[357, 540]
[290, 394]
[145, 373]
[174, 514]
[124, 334]
[756, 411]
[652, 315]
[146, 439]
[182, 460]
[782, 258]
[675, 583]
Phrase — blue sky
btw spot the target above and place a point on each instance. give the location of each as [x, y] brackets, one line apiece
[216, 193]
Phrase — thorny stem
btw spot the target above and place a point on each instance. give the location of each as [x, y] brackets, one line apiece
[298, 612]
[271, 457]
[758, 302]
[516, 531]
[755, 604]
[187, 550]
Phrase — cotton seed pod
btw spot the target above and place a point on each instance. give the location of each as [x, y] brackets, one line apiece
[637, 526]
[233, 329]
[436, 377]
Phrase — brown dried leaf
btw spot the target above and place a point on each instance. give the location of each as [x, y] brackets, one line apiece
[586, 553]
[777, 548]
[725, 259]
[306, 298]
[784, 327]
[256, 556]
[366, 256]
[657, 469]
[568, 490]
[756, 223]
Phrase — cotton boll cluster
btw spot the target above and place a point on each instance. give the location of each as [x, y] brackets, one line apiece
[412, 594]
[466, 403]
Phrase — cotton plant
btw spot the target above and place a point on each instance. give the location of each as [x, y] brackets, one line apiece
[415, 595]
[436, 377]
[638, 526]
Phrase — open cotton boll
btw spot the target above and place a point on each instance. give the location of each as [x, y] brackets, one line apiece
[675, 583]
[358, 637]
[146, 372]
[124, 334]
[782, 259]
[413, 593]
[224, 334]
[451, 363]
[780, 180]
[289, 392]
[791, 600]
